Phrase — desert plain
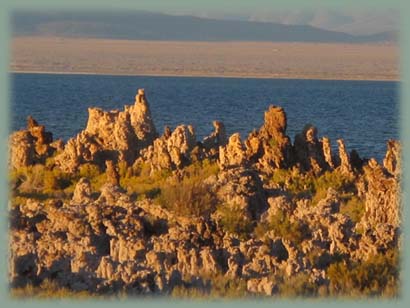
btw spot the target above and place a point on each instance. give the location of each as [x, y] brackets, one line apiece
[377, 61]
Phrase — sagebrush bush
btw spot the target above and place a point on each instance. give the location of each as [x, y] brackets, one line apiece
[39, 179]
[338, 181]
[48, 289]
[282, 226]
[293, 181]
[297, 285]
[89, 171]
[233, 220]
[223, 286]
[379, 275]
[354, 207]
[187, 198]
[307, 184]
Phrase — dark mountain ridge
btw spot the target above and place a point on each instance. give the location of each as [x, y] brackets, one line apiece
[141, 25]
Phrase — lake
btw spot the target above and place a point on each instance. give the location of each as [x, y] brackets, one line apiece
[364, 113]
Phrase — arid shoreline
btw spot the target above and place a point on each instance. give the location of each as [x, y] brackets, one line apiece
[210, 76]
[205, 59]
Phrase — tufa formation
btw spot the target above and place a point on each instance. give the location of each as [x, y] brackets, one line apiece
[119, 208]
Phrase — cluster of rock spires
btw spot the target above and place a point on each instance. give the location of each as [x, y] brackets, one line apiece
[111, 242]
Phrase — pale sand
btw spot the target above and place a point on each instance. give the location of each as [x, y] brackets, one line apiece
[215, 59]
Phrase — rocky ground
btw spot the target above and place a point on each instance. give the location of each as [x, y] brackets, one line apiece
[120, 209]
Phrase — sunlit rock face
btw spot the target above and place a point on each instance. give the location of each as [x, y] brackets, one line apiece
[111, 135]
[270, 148]
[31, 145]
[274, 211]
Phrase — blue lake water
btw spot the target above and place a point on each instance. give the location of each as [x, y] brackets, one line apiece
[364, 113]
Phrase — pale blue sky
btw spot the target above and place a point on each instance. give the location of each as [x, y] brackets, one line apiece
[351, 16]
[360, 21]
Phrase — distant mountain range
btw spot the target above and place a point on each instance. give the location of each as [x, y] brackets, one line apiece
[140, 25]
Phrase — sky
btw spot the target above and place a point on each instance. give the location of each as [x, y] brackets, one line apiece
[356, 17]
[358, 22]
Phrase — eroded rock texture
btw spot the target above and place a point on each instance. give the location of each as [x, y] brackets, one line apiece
[270, 147]
[172, 150]
[110, 135]
[274, 210]
[30, 146]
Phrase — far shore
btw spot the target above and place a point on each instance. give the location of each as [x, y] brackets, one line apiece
[268, 60]
[306, 77]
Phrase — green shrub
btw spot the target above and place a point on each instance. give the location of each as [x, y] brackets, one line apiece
[354, 208]
[124, 170]
[201, 170]
[215, 286]
[377, 276]
[187, 198]
[293, 181]
[233, 220]
[297, 285]
[41, 179]
[144, 185]
[297, 183]
[89, 171]
[48, 289]
[336, 180]
[188, 292]
[283, 227]
[222, 286]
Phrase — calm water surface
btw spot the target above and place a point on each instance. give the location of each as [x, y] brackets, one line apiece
[364, 113]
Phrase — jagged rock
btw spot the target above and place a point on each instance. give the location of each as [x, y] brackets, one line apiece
[115, 244]
[141, 120]
[327, 152]
[209, 263]
[30, 146]
[392, 159]
[82, 192]
[294, 263]
[78, 150]
[241, 190]
[233, 154]
[280, 203]
[113, 131]
[345, 165]
[356, 161]
[22, 150]
[309, 150]
[110, 135]
[112, 173]
[376, 240]
[331, 203]
[270, 147]
[122, 250]
[106, 268]
[111, 194]
[260, 285]
[217, 138]
[382, 196]
[171, 152]
[43, 138]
